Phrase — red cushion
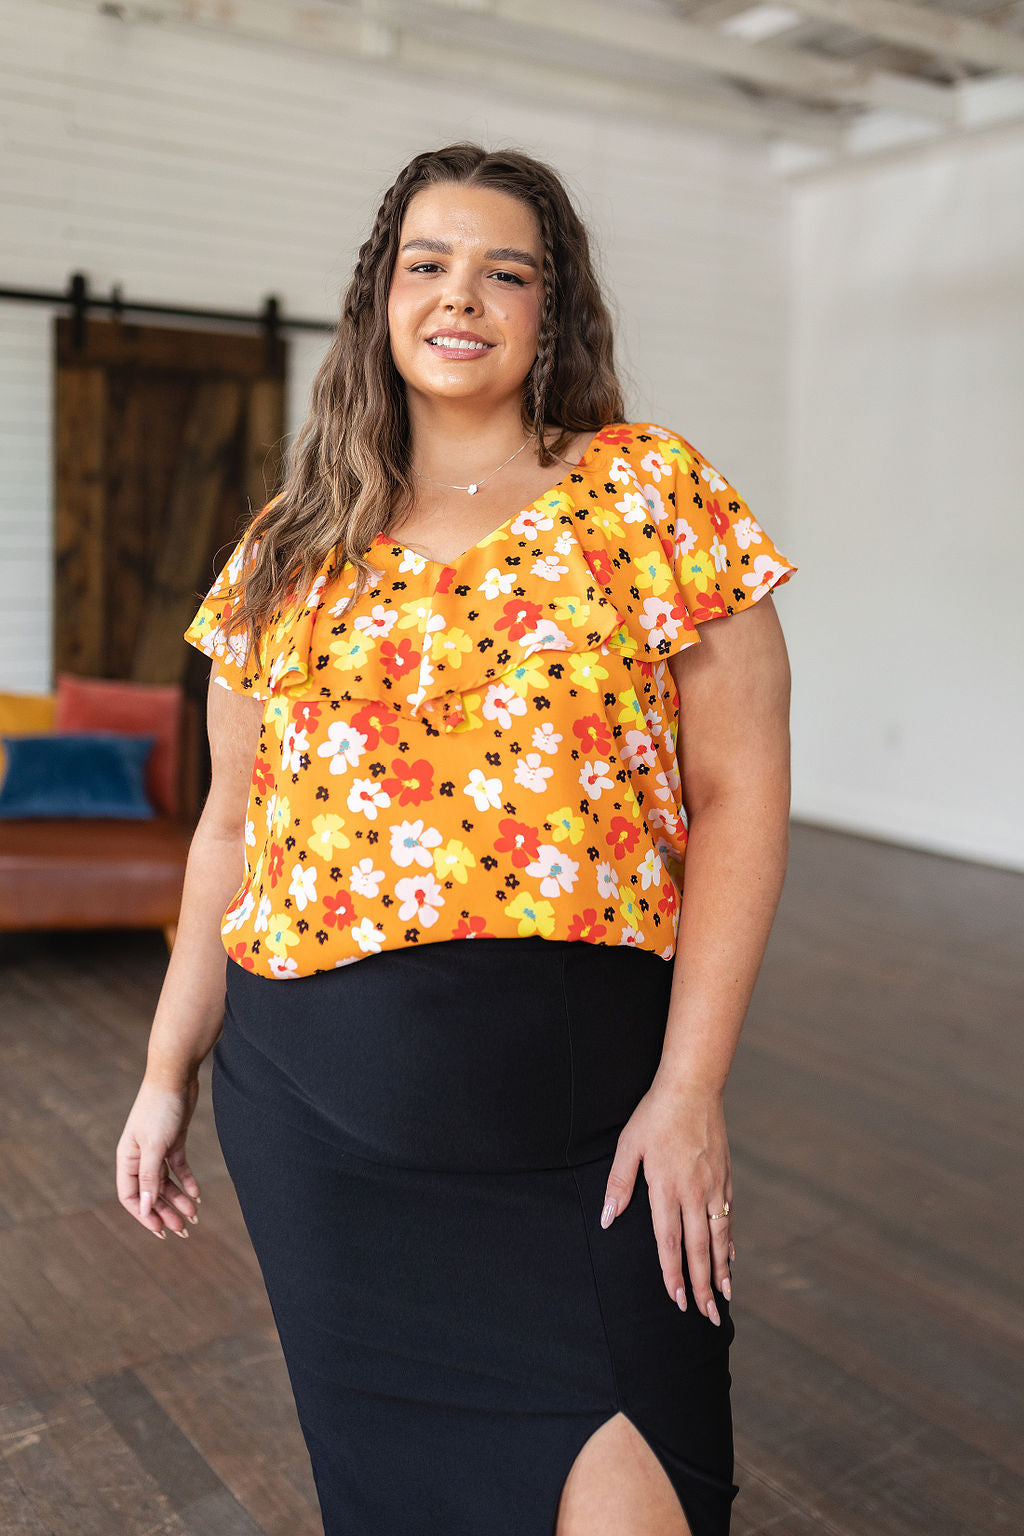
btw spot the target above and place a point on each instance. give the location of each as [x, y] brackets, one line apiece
[113, 704]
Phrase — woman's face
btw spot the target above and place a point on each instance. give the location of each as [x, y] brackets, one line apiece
[469, 259]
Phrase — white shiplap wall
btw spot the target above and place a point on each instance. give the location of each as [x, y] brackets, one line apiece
[194, 168]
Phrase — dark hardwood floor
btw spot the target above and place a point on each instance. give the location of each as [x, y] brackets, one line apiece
[874, 1110]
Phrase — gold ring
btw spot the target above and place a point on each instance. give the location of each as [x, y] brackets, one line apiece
[717, 1215]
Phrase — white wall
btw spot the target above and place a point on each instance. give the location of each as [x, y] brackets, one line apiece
[192, 168]
[905, 499]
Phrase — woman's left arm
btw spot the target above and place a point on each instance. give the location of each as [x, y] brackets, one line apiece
[733, 751]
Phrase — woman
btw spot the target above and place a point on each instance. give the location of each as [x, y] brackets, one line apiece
[463, 728]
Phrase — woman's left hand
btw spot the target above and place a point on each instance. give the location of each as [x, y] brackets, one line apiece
[679, 1135]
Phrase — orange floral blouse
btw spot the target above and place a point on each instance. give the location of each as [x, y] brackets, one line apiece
[488, 747]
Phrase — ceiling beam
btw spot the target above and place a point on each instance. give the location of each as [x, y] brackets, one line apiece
[923, 27]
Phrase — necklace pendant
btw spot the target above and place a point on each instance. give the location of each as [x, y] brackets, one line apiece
[472, 489]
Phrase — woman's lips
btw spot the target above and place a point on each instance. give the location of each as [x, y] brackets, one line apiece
[469, 353]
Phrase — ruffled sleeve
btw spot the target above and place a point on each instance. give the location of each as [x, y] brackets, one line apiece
[678, 546]
[237, 670]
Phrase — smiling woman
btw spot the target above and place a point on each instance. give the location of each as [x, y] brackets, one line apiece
[475, 1026]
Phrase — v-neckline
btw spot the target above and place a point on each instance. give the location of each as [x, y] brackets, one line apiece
[387, 540]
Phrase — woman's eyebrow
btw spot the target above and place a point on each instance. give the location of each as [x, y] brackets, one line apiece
[499, 253]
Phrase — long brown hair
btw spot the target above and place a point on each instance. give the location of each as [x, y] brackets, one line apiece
[350, 464]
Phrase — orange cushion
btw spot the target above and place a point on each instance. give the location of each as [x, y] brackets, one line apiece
[24, 714]
[141, 709]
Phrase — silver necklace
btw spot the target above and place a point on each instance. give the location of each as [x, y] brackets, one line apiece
[472, 489]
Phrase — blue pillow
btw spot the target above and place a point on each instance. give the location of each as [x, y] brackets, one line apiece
[76, 773]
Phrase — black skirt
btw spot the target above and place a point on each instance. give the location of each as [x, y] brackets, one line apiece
[420, 1143]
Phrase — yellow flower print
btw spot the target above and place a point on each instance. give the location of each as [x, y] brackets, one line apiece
[572, 610]
[277, 715]
[698, 571]
[351, 651]
[564, 825]
[279, 937]
[282, 815]
[528, 674]
[607, 520]
[414, 614]
[454, 861]
[450, 645]
[471, 721]
[534, 915]
[623, 643]
[629, 909]
[587, 671]
[631, 712]
[673, 451]
[652, 571]
[327, 835]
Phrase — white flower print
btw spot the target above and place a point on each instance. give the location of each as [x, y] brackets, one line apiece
[365, 880]
[594, 780]
[379, 622]
[660, 620]
[546, 637]
[303, 886]
[531, 773]
[411, 562]
[685, 538]
[271, 809]
[485, 793]
[549, 568]
[637, 750]
[719, 554]
[262, 914]
[765, 572]
[529, 523]
[620, 470]
[746, 532]
[369, 797]
[316, 592]
[344, 746]
[502, 702]
[556, 870]
[293, 744]
[654, 465]
[241, 914]
[546, 738]
[632, 938]
[651, 870]
[283, 967]
[368, 936]
[420, 896]
[713, 478]
[250, 832]
[633, 507]
[411, 843]
[607, 881]
[497, 583]
[664, 787]
[564, 542]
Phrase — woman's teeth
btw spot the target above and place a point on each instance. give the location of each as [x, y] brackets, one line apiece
[449, 343]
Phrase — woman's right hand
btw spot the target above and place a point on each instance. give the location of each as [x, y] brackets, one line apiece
[152, 1148]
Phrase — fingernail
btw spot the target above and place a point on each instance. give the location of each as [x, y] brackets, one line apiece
[681, 1298]
[193, 1219]
[183, 1232]
[198, 1200]
[713, 1314]
[727, 1288]
[608, 1213]
[732, 1251]
[158, 1234]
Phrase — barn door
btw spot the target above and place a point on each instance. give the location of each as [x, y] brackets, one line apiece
[165, 437]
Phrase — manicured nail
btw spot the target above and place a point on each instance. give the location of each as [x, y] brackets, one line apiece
[183, 1232]
[193, 1219]
[713, 1314]
[161, 1233]
[608, 1214]
[198, 1200]
[727, 1288]
[681, 1298]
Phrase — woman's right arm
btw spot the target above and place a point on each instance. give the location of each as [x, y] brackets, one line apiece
[190, 1010]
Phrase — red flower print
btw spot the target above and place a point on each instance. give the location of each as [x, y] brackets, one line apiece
[719, 520]
[401, 658]
[411, 783]
[275, 864]
[238, 954]
[594, 735]
[377, 723]
[444, 581]
[623, 836]
[706, 605]
[585, 926]
[519, 840]
[471, 928]
[261, 776]
[519, 617]
[338, 910]
[600, 564]
[616, 435]
[307, 714]
[669, 898]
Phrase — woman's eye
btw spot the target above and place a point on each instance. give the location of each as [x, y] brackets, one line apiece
[423, 264]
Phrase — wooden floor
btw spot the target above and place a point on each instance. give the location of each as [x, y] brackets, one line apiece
[874, 1111]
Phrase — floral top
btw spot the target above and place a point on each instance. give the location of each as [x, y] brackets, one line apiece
[488, 747]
